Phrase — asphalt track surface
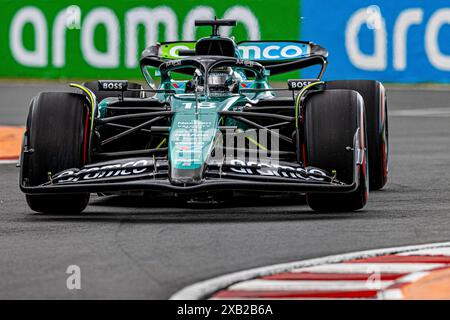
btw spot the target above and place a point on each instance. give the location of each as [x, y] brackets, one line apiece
[150, 248]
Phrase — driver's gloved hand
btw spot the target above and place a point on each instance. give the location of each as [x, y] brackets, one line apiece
[233, 85]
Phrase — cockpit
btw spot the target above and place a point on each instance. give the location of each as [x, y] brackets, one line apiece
[211, 75]
[220, 81]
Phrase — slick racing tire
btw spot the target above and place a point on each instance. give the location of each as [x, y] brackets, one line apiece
[332, 118]
[375, 105]
[100, 95]
[56, 135]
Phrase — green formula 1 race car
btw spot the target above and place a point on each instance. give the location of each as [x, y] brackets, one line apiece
[212, 125]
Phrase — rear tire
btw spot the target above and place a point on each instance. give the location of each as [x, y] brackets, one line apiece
[375, 105]
[56, 132]
[332, 118]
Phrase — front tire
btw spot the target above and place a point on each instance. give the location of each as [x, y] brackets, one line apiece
[56, 135]
[332, 118]
[375, 105]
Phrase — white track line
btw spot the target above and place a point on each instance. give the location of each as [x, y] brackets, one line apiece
[412, 277]
[390, 294]
[428, 112]
[8, 161]
[206, 288]
[428, 252]
[294, 285]
[396, 293]
[371, 268]
[418, 87]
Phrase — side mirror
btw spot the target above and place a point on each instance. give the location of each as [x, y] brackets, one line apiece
[149, 57]
[151, 51]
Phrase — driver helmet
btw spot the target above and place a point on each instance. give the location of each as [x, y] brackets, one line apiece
[222, 80]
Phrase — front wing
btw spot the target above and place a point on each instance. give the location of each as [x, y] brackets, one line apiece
[150, 174]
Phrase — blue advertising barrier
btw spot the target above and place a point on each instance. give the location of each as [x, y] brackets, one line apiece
[393, 41]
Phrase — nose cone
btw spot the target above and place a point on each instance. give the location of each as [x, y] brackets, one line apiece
[191, 141]
[186, 177]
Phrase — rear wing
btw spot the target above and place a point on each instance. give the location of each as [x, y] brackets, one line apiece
[277, 56]
[280, 50]
[284, 56]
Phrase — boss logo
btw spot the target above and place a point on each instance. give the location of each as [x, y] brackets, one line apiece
[299, 84]
[112, 85]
